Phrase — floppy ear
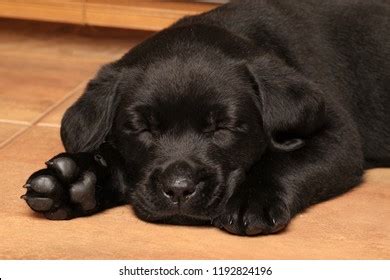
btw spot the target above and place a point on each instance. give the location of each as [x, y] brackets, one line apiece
[88, 121]
[291, 107]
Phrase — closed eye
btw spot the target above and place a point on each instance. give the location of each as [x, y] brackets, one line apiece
[135, 128]
[140, 120]
[233, 129]
[215, 129]
[219, 121]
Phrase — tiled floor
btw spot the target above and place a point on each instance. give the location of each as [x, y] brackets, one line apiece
[43, 69]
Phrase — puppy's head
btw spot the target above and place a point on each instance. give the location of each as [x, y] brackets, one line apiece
[191, 129]
[189, 123]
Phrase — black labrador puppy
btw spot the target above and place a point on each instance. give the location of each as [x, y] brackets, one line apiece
[240, 117]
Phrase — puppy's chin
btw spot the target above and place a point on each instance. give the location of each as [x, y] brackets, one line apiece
[164, 217]
[185, 220]
[183, 215]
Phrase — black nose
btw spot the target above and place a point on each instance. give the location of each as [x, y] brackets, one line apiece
[178, 182]
[180, 189]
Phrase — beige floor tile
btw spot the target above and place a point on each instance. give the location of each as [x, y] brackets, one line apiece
[54, 118]
[29, 86]
[66, 41]
[42, 63]
[8, 130]
[351, 226]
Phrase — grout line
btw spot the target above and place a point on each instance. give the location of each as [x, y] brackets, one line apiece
[57, 104]
[12, 137]
[14, 122]
[48, 125]
[47, 111]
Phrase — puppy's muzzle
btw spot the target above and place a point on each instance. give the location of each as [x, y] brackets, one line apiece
[179, 182]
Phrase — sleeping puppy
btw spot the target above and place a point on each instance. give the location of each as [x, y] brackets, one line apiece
[239, 118]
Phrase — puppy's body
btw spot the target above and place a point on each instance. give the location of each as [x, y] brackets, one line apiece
[343, 46]
[242, 117]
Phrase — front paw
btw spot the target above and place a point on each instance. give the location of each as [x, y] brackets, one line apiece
[254, 215]
[63, 190]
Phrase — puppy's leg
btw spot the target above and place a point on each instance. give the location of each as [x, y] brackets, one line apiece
[74, 185]
[285, 183]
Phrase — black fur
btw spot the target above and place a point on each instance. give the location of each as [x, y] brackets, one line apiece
[240, 117]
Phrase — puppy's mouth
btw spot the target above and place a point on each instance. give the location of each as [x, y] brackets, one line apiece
[199, 209]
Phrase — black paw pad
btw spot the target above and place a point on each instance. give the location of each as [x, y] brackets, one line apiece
[65, 167]
[83, 191]
[43, 192]
[63, 213]
[44, 184]
[63, 190]
[38, 203]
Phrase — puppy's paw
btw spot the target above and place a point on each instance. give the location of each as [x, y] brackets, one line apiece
[253, 216]
[63, 190]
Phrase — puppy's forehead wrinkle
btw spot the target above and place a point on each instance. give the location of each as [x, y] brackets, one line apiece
[175, 72]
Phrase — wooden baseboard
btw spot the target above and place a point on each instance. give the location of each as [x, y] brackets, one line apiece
[145, 15]
[59, 11]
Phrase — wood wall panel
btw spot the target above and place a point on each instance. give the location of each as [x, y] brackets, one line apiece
[67, 11]
[146, 15]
